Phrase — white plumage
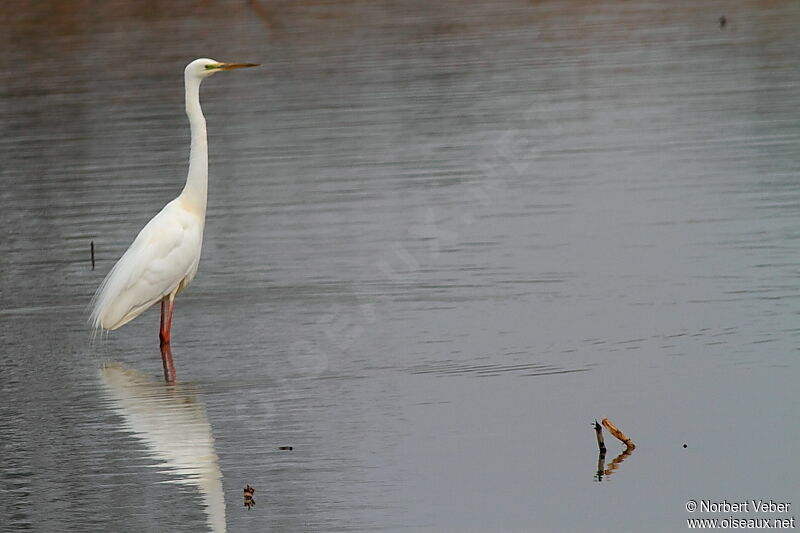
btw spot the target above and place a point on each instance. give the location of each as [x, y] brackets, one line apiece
[162, 261]
[164, 257]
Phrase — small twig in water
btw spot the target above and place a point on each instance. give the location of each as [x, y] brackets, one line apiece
[619, 434]
[598, 430]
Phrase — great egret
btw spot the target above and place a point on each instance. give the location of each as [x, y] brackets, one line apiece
[163, 258]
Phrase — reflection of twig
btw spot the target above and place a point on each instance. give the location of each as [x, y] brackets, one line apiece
[618, 461]
[601, 465]
[613, 465]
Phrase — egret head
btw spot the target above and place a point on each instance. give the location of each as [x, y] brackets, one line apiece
[204, 67]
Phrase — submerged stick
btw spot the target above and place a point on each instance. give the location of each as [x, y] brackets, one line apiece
[92, 248]
[619, 434]
[598, 430]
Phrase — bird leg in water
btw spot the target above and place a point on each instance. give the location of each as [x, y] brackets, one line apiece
[169, 366]
[167, 306]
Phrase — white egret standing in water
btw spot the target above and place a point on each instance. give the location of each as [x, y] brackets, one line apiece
[163, 258]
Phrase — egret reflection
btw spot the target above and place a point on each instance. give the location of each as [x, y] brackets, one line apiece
[174, 426]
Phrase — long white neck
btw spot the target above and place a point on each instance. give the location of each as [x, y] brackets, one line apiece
[195, 191]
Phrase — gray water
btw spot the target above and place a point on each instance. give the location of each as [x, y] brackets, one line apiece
[442, 239]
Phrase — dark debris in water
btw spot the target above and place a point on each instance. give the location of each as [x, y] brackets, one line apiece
[248, 497]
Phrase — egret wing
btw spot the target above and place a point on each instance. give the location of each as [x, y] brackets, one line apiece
[165, 252]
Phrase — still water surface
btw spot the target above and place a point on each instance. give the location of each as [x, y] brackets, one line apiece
[442, 239]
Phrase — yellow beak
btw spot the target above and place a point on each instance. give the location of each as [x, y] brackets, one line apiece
[231, 66]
